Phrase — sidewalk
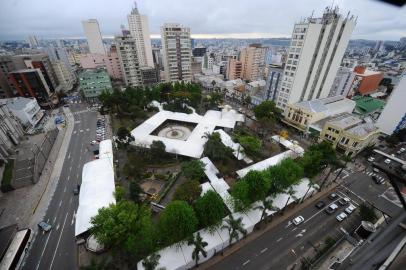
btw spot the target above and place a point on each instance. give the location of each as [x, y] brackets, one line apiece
[278, 219]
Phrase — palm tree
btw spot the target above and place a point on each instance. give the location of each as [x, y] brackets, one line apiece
[346, 160]
[199, 244]
[267, 205]
[151, 262]
[291, 193]
[234, 227]
[309, 185]
[334, 165]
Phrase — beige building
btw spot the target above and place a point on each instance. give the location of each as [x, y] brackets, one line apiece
[301, 115]
[253, 62]
[348, 134]
[234, 69]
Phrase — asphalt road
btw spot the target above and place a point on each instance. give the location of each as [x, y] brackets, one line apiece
[280, 247]
[57, 248]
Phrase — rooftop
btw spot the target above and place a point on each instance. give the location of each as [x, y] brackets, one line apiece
[330, 105]
[363, 129]
[367, 104]
[344, 120]
[17, 103]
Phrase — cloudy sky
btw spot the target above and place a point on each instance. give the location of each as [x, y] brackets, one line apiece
[206, 18]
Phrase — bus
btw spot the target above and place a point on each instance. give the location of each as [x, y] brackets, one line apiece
[16, 250]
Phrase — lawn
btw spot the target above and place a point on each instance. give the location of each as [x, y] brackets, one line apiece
[7, 176]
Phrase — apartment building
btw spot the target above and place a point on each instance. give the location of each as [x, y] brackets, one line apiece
[129, 61]
[253, 62]
[234, 69]
[93, 36]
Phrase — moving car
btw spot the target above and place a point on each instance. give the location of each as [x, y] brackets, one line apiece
[341, 216]
[333, 196]
[320, 204]
[331, 208]
[350, 209]
[344, 201]
[44, 226]
[371, 159]
[298, 220]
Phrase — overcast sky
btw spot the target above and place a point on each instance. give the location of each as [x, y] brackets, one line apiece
[206, 18]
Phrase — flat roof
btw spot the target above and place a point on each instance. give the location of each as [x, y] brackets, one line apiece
[367, 104]
[331, 105]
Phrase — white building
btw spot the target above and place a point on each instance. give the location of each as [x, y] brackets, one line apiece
[11, 131]
[26, 110]
[139, 30]
[93, 36]
[393, 116]
[177, 52]
[33, 41]
[129, 61]
[342, 82]
[315, 53]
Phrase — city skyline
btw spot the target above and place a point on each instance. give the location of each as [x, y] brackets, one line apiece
[273, 19]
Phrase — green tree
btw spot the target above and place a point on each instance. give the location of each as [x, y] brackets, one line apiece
[199, 245]
[250, 144]
[291, 194]
[367, 213]
[258, 185]
[240, 196]
[267, 111]
[119, 193]
[266, 206]
[151, 262]
[157, 150]
[234, 228]
[177, 222]
[126, 227]
[188, 191]
[210, 210]
[135, 191]
[215, 149]
[283, 175]
[193, 169]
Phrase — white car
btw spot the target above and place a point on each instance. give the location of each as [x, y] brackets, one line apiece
[350, 209]
[371, 159]
[402, 150]
[387, 161]
[298, 220]
[341, 216]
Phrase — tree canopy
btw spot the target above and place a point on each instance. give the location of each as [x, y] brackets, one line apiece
[193, 169]
[125, 226]
[177, 222]
[210, 210]
[215, 149]
[317, 157]
[283, 175]
[267, 111]
[157, 150]
[188, 191]
[251, 144]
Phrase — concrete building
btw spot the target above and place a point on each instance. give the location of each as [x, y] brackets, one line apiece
[33, 42]
[93, 82]
[129, 61]
[342, 82]
[273, 81]
[366, 105]
[31, 83]
[109, 61]
[199, 51]
[6, 66]
[177, 52]
[315, 53]
[26, 110]
[139, 29]
[93, 36]
[393, 116]
[149, 76]
[234, 69]
[64, 75]
[253, 62]
[365, 81]
[348, 134]
[301, 115]
[11, 132]
[157, 57]
[207, 62]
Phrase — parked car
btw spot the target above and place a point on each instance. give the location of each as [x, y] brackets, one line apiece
[320, 204]
[341, 216]
[376, 170]
[298, 220]
[402, 150]
[371, 159]
[44, 226]
[76, 190]
[331, 208]
[333, 196]
[344, 201]
[350, 209]
[387, 161]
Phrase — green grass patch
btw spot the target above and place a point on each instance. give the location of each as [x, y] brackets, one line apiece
[7, 176]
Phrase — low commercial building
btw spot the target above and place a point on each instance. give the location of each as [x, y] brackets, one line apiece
[348, 134]
[366, 105]
[302, 114]
[365, 81]
[93, 82]
[26, 110]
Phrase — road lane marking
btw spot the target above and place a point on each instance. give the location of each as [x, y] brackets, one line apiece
[53, 221]
[265, 249]
[59, 240]
[280, 239]
[69, 156]
[64, 190]
[60, 203]
[246, 262]
[81, 130]
[73, 217]
[318, 212]
[57, 226]
[42, 253]
[68, 178]
[70, 168]
[352, 200]
[70, 200]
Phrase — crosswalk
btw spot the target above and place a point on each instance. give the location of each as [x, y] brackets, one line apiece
[370, 174]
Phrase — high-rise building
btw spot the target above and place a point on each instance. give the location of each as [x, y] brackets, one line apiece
[130, 64]
[342, 82]
[177, 52]
[6, 66]
[199, 51]
[93, 36]
[11, 132]
[315, 53]
[393, 116]
[30, 83]
[33, 41]
[139, 30]
[273, 81]
[253, 62]
[64, 75]
[93, 82]
[234, 69]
